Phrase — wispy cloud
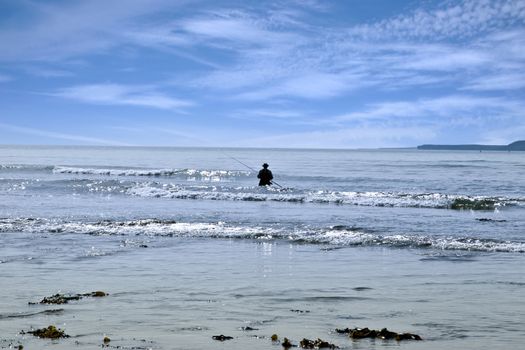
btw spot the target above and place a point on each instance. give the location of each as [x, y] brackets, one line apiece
[455, 63]
[451, 19]
[503, 81]
[362, 136]
[498, 135]
[448, 107]
[61, 136]
[73, 28]
[115, 94]
[47, 72]
[5, 78]
[322, 63]
[309, 85]
[269, 113]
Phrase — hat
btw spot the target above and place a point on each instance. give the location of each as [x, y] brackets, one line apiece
[265, 165]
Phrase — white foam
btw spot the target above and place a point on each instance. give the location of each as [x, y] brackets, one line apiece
[332, 235]
[211, 174]
[379, 199]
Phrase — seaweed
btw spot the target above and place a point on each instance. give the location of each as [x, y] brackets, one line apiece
[222, 337]
[51, 332]
[316, 344]
[474, 204]
[287, 344]
[360, 333]
[490, 220]
[66, 298]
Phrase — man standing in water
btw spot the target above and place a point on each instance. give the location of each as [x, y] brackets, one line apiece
[265, 176]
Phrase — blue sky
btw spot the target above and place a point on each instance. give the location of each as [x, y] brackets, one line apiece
[298, 73]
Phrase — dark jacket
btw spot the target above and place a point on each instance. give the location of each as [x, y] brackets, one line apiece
[265, 177]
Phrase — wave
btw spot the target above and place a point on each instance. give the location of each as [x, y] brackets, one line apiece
[333, 235]
[207, 188]
[150, 172]
[123, 171]
[25, 167]
[368, 198]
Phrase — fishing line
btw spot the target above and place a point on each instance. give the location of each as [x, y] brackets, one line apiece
[246, 165]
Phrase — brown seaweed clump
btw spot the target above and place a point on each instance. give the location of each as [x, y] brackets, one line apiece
[360, 333]
[222, 337]
[66, 298]
[287, 344]
[474, 204]
[51, 332]
[316, 344]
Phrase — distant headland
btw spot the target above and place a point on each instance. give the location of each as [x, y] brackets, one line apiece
[515, 146]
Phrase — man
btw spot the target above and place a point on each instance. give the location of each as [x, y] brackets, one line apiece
[265, 176]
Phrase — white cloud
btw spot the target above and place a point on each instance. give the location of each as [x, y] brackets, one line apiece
[115, 94]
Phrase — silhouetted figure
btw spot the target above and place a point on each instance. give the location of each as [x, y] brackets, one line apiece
[265, 176]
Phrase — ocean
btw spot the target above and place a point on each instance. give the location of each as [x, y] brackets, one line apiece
[187, 246]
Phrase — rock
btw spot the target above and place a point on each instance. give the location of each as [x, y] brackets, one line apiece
[51, 332]
[300, 311]
[246, 329]
[275, 337]
[222, 337]
[106, 340]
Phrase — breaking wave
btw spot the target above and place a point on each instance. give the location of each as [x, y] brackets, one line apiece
[224, 185]
[369, 198]
[333, 235]
[150, 172]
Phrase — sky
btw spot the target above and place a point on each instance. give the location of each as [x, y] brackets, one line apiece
[296, 73]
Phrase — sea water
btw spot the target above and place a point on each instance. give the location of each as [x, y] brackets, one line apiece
[188, 246]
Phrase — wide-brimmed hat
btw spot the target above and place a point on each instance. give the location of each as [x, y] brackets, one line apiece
[265, 165]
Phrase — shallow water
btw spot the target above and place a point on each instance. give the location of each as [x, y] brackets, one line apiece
[189, 247]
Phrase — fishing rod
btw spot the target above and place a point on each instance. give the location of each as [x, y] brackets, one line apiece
[249, 167]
